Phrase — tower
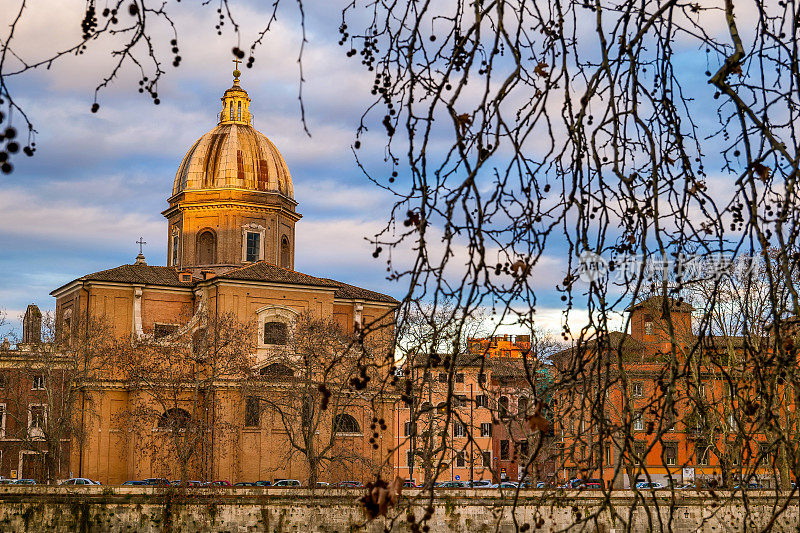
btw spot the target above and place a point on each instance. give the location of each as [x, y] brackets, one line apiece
[32, 325]
[232, 202]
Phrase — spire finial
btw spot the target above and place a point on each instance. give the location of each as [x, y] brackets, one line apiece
[140, 258]
[236, 72]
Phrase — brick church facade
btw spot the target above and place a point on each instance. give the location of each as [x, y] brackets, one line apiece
[231, 248]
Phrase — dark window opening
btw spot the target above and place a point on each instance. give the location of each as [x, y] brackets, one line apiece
[175, 245]
[504, 450]
[285, 253]
[164, 330]
[277, 371]
[670, 455]
[487, 459]
[503, 406]
[252, 412]
[253, 250]
[275, 333]
[174, 418]
[345, 423]
[523, 449]
[648, 325]
[37, 416]
[522, 406]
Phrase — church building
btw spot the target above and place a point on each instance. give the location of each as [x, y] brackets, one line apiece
[231, 251]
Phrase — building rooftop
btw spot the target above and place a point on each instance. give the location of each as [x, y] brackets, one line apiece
[143, 274]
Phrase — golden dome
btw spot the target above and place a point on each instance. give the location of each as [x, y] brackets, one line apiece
[234, 154]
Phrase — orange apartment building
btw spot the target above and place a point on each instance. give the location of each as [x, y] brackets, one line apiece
[491, 399]
[697, 430]
[431, 418]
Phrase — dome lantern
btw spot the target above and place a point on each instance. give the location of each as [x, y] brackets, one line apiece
[235, 103]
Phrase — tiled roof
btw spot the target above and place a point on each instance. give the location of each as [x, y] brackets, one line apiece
[614, 341]
[655, 303]
[139, 274]
[263, 271]
[351, 292]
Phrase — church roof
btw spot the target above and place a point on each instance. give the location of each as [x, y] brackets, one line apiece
[142, 274]
[263, 271]
[139, 275]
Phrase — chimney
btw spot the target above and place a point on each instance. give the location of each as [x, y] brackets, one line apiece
[32, 325]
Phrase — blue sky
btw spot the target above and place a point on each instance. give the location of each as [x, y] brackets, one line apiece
[99, 181]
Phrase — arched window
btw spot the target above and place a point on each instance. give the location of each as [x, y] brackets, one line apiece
[174, 418]
[345, 423]
[277, 371]
[239, 115]
[276, 333]
[425, 407]
[285, 254]
[503, 406]
[206, 248]
[522, 406]
[231, 110]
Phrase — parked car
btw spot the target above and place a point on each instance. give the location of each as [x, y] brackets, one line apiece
[541, 484]
[685, 486]
[181, 483]
[454, 484]
[593, 484]
[752, 485]
[410, 485]
[220, 483]
[245, 484]
[481, 484]
[264, 483]
[80, 481]
[505, 485]
[25, 482]
[157, 482]
[350, 484]
[651, 485]
[134, 482]
[286, 483]
[6, 481]
[323, 484]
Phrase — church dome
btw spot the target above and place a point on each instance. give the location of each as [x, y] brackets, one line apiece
[234, 154]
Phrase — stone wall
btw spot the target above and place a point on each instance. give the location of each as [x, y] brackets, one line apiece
[118, 509]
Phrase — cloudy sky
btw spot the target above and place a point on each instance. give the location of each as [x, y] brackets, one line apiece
[100, 181]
